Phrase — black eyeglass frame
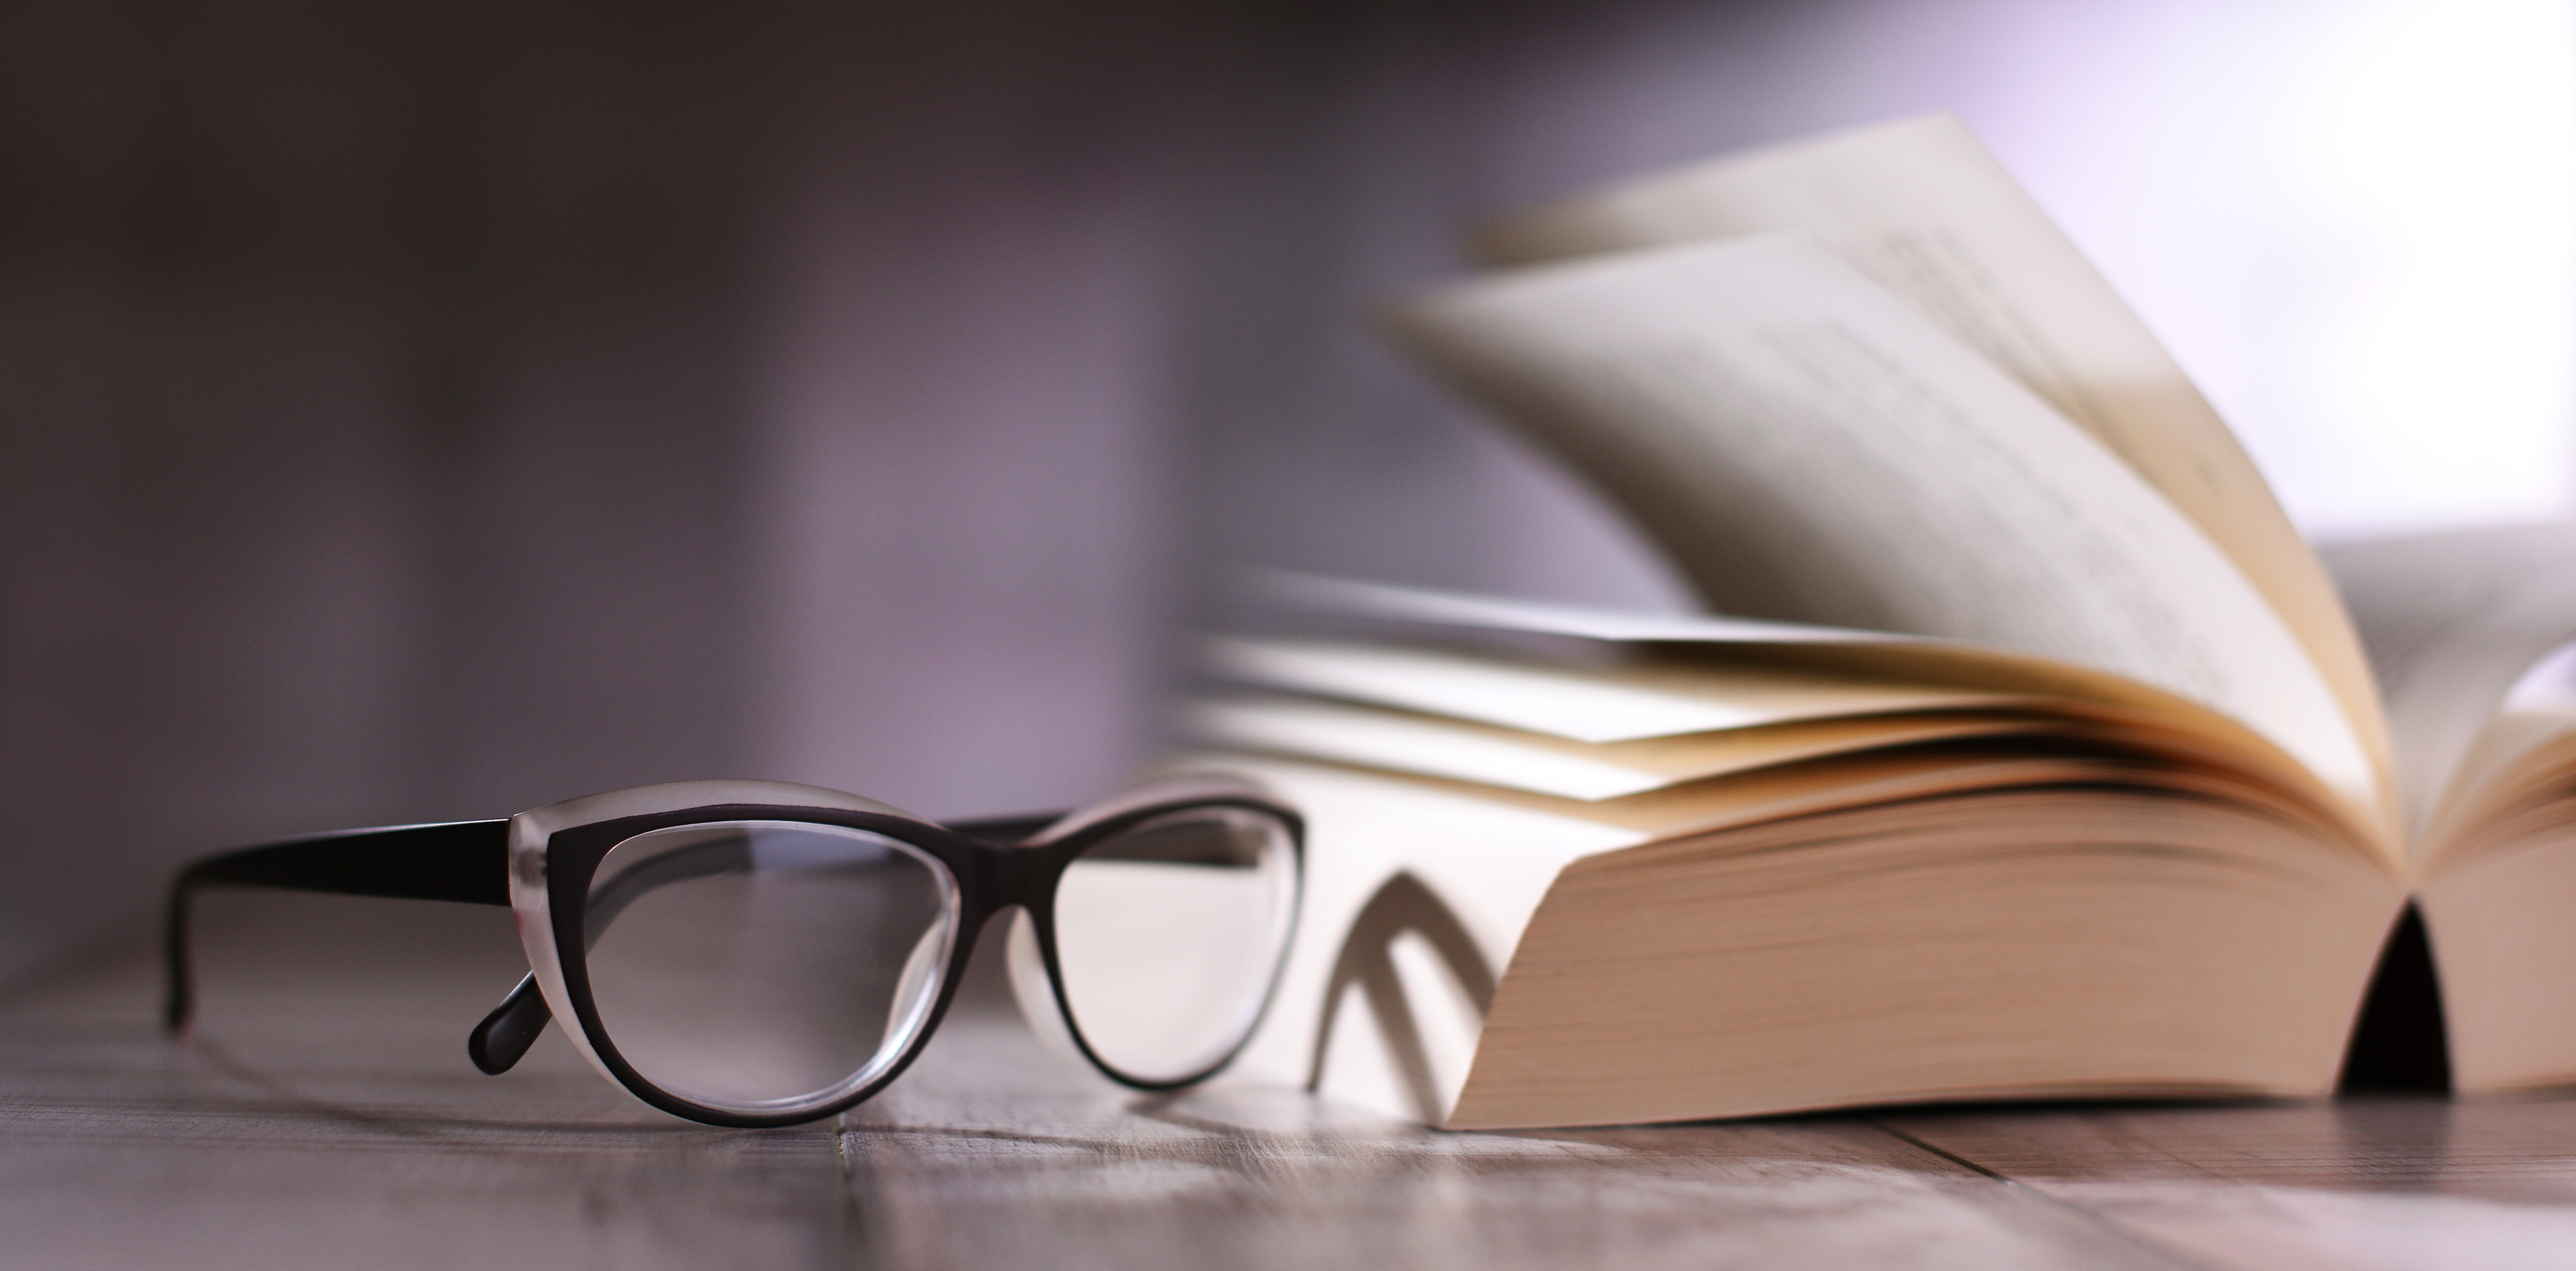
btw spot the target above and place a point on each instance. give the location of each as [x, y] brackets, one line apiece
[542, 862]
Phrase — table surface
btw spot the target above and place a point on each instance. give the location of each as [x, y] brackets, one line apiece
[325, 1115]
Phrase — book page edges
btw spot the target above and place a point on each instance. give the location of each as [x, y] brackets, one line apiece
[1933, 663]
[1369, 737]
[1495, 872]
[1634, 699]
[2028, 942]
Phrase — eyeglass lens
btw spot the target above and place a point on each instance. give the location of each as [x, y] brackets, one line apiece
[1168, 936]
[760, 966]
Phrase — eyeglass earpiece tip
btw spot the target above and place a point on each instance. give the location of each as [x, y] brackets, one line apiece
[498, 1043]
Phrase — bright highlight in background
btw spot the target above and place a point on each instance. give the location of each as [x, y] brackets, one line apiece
[2355, 224]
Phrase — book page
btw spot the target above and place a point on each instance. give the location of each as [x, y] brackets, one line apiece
[1540, 764]
[1809, 449]
[2451, 621]
[1737, 660]
[1581, 704]
[1922, 209]
[2519, 761]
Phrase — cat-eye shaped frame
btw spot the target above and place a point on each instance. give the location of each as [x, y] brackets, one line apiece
[1165, 871]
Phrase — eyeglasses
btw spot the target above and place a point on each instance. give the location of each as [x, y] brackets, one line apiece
[752, 953]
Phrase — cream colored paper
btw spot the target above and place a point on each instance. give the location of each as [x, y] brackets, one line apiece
[1922, 209]
[1810, 449]
[1533, 762]
[2451, 621]
[1564, 701]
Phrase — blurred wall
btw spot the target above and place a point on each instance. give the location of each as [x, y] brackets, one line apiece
[448, 408]
[442, 409]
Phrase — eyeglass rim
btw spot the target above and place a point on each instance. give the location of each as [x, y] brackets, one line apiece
[554, 852]
[1044, 931]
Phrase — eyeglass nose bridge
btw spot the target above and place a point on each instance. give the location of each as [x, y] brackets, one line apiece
[1006, 870]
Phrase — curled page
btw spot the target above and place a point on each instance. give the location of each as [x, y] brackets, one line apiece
[1920, 208]
[1810, 449]
[2452, 621]
[1571, 702]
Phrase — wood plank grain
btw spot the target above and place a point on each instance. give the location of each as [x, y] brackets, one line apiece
[326, 1116]
[960, 1167]
[2384, 1181]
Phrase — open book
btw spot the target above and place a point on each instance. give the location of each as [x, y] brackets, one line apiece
[2036, 756]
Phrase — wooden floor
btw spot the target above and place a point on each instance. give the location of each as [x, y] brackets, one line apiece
[326, 1117]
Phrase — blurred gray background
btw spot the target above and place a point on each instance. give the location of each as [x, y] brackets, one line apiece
[421, 411]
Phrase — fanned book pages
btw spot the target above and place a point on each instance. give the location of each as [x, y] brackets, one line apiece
[2034, 757]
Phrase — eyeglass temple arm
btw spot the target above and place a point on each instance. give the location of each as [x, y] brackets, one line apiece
[503, 1038]
[465, 861]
